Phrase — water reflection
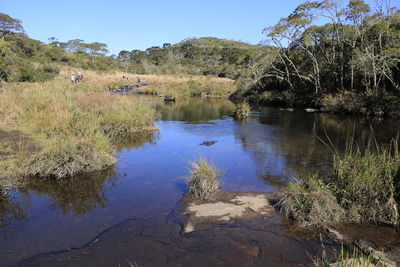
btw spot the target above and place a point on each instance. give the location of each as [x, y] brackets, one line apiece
[286, 145]
[260, 154]
[78, 195]
[9, 212]
[191, 110]
[137, 140]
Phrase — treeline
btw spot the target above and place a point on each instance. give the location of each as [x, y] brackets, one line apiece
[349, 64]
[200, 56]
[26, 60]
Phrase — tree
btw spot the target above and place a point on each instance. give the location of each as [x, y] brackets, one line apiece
[137, 56]
[124, 55]
[96, 49]
[9, 25]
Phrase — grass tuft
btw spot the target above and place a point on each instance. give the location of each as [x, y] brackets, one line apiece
[310, 202]
[204, 179]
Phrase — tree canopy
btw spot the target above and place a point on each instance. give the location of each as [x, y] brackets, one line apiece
[9, 24]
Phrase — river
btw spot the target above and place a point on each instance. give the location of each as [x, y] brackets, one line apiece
[131, 213]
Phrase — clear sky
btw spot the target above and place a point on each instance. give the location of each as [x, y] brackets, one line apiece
[128, 25]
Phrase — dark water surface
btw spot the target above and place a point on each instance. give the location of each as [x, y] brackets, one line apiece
[131, 213]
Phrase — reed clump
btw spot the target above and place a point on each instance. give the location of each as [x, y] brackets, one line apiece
[310, 202]
[204, 179]
[364, 188]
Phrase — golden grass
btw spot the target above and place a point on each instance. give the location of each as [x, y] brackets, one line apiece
[74, 125]
[173, 85]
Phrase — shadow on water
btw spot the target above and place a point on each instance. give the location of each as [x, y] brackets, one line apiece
[132, 212]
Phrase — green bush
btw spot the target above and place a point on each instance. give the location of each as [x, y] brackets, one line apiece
[242, 111]
[30, 74]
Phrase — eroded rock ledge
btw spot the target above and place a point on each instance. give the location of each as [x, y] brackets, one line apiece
[225, 207]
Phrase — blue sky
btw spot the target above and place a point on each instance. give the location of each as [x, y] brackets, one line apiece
[128, 25]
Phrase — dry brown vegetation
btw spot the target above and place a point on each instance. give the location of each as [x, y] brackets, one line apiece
[178, 85]
[73, 126]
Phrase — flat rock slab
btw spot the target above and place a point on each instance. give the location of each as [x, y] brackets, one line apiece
[224, 208]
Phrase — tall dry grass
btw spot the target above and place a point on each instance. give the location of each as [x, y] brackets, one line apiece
[74, 125]
[183, 85]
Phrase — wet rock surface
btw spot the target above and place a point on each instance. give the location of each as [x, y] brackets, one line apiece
[225, 207]
[159, 241]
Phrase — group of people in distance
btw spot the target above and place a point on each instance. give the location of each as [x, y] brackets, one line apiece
[127, 78]
[77, 78]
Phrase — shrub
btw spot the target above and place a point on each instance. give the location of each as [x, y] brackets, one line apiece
[242, 111]
[204, 179]
[348, 102]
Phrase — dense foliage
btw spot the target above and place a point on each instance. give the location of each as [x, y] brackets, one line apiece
[350, 64]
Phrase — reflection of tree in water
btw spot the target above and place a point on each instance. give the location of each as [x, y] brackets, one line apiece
[137, 140]
[78, 195]
[196, 110]
[9, 211]
[288, 143]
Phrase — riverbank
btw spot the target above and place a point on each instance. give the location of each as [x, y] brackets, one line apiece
[359, 177]
[372, 104]
[72, 128]
[186, 85]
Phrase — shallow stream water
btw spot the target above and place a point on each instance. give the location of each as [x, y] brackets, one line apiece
[131, 214]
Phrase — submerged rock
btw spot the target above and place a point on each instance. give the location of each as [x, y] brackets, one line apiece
[208, 143]
[224, 208]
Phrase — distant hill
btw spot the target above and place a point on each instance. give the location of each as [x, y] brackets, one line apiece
[211, 42]
[200, 56]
